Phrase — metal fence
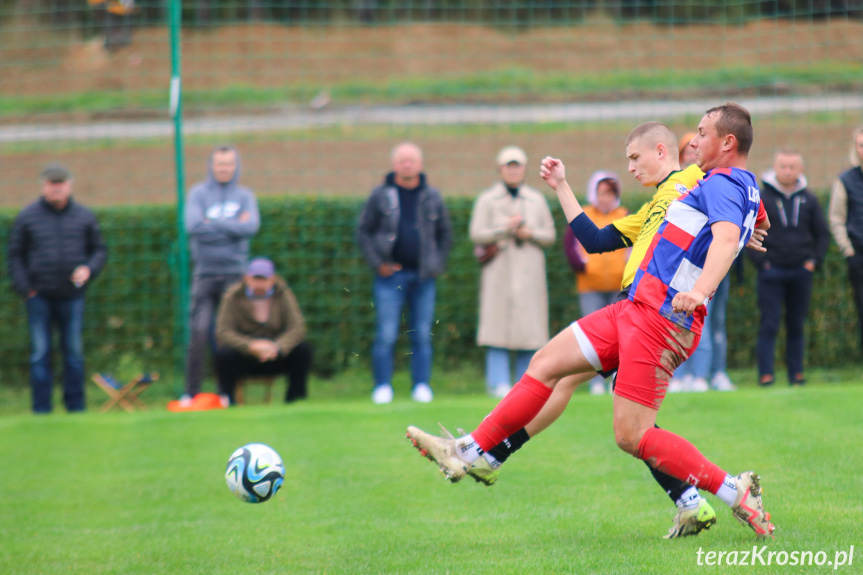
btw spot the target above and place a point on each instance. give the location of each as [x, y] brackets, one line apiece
[315, 94]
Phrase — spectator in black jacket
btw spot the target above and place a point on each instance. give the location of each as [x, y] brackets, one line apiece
[55, 250]
[798, 241]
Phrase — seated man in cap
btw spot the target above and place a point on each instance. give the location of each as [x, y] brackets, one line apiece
[260, 331]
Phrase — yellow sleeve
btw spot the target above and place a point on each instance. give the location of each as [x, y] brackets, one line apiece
[630, 226]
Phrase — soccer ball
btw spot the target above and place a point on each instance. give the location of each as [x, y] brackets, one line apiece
[255, 472]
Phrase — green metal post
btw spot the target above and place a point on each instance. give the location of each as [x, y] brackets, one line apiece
[181, 329]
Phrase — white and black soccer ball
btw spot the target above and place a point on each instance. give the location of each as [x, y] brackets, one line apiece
[255, 472]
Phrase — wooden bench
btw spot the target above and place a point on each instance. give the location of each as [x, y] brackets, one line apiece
[265, 380]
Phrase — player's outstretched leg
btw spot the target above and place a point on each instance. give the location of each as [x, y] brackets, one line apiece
[677, 457]
[694, 513]
[558, 359]
[455, 456]
[481, 470]
[444, 451]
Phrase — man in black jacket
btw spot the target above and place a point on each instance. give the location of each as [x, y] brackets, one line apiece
[796, 246]
[55, 249]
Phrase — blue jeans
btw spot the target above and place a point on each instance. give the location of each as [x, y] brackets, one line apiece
[718, 333]
[390, 296]
[68, 315]
[497, 369]
[698, 364]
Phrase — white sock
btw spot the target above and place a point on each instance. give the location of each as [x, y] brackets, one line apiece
[468, 448]
[728, 491]
[491, 460]
[689, 500]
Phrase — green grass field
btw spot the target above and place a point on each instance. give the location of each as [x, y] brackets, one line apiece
[145, 492]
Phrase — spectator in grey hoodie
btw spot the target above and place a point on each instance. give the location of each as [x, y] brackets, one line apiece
[220, 218]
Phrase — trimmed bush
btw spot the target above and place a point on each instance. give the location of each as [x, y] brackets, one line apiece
[133, 322]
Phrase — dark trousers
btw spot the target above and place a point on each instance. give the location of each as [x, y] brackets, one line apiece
[205, 297]
[855, 276]
[233, 365]
[791, 286]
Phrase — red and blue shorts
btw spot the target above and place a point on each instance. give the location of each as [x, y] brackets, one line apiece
[643, 346]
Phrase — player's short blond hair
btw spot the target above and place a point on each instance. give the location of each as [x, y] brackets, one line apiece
[653, 133]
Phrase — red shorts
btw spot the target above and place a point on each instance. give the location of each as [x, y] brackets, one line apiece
[643, 346]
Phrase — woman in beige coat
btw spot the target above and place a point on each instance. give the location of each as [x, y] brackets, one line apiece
[513, 301]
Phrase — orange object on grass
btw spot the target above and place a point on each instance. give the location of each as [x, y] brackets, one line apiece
[201, 402]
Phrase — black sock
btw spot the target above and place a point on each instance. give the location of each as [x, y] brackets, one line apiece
[672, 486]
[510, 445]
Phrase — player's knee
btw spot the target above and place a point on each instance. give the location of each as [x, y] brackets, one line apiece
[544, 367]
[627, 439]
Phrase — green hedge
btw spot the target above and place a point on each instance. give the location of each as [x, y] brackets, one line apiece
[132, 322]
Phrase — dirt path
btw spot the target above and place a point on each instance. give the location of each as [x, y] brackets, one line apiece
[460, 162]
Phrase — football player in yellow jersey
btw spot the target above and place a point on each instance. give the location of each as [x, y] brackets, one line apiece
[652, 152]
[639, 227]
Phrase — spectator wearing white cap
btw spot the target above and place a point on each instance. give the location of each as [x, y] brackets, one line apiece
[511, 224]
[260, 331]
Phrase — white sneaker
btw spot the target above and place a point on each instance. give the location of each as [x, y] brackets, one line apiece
[382, 394]
[675, 386]
[686, 383]
[500, 390]
[422, 393]
[185, 400]
[698, 385]
[597, 388]
[721, 382]
[225, 400]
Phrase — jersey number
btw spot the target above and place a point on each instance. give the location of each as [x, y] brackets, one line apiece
[748, 227]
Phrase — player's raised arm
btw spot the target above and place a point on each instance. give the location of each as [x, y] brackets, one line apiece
[553, 172]
[594, 240]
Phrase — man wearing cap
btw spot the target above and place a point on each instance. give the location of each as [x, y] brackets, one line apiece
[513, 299]
[405, 234]
[55, 250]
[221, 217]
[260, 331]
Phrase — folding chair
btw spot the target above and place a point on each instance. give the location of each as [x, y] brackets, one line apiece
[265, 380]
[124, 396]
